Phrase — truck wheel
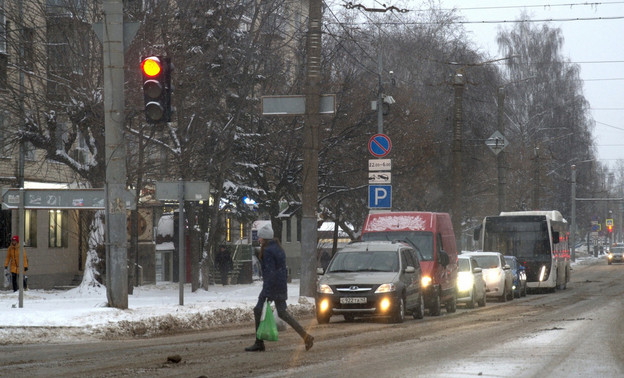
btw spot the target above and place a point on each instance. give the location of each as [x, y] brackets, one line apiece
[435, 308]
[451, 305]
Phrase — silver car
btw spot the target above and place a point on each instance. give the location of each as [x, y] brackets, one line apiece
[379, 278]
[471, 287]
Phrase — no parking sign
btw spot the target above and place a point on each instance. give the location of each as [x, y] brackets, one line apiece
[379, 145]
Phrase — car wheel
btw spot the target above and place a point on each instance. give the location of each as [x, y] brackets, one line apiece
[503, 298]
[434, 309]
[419, 311]
[471, 303]
[524, 291]
[349, 318]
[483, 300]
[609, 263]
[322, 318]
[451, 305]
[399, 314]
[510, 294]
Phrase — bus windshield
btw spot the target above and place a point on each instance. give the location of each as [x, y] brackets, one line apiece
[422, 241]
[524, 237]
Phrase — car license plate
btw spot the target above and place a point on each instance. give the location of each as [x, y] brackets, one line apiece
[352, 300]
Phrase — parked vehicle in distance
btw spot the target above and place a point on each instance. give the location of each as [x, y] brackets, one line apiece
[432, 236]
[518, 274]
[497, 274]
[371, 279]
[616, 254]
[471, 287]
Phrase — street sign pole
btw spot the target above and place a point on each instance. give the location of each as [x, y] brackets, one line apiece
[181, 260]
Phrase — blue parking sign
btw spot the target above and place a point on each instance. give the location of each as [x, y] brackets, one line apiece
[379, 196]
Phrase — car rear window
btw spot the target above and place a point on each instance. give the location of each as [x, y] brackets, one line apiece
[488, 262]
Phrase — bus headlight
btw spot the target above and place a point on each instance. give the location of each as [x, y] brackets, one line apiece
[425, 281]
[465, 281]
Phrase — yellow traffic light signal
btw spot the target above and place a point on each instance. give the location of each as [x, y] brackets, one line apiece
[156, 71]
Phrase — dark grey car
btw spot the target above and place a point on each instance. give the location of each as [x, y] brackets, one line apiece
[371, 279]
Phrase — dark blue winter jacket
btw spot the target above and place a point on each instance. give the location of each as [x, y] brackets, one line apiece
[274, 273]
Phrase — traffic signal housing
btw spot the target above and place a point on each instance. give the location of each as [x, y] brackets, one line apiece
[156, 71]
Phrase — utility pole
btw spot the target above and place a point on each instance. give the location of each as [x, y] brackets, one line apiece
[536, 188]
[458, 85]
[500, 158]
[116, 234]
[311, 145]
[573, 215]
[380, 95]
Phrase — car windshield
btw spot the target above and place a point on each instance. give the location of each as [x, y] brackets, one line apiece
[487, 262]
[422, 241]
[365, 261]
[617, 249]
[464, 265]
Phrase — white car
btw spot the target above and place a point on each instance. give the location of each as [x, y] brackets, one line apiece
[497, 274]
[471, 287]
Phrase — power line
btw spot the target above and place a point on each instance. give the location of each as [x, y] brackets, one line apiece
[611, 126]
[484, 22]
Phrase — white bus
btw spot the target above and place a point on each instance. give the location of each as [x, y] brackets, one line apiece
[539, 239]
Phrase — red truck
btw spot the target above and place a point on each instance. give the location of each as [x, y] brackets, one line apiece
[431, 234]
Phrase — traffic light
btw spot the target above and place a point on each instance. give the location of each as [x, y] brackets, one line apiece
[610, 228]
[156, 71]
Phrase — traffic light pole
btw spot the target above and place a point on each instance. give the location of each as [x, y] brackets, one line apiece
[310, 151]
[116, 233]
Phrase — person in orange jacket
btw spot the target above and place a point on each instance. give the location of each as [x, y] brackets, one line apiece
[12, 258]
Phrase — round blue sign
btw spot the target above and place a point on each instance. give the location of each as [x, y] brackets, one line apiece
[379, 145]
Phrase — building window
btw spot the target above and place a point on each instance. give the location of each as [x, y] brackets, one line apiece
[30, 228]
[58, 229]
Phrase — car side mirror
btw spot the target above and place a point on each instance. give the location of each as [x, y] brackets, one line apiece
[506, 267]
[443, 258]
[410, 269]
[477, 270]
[320, 271]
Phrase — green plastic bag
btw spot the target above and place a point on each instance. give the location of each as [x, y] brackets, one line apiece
[267, 330]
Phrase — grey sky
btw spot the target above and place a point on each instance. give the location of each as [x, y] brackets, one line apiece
[592, 40]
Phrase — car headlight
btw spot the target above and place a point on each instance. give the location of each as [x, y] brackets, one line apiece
[493, 275]
[465, 281]
[324, 289]
[385, 288]
[425, 281]
[609, 256]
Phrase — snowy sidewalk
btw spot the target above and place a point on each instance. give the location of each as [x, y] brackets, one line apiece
[152, 309]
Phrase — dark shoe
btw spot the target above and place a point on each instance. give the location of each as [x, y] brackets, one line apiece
[309, 341]
[257, 347]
